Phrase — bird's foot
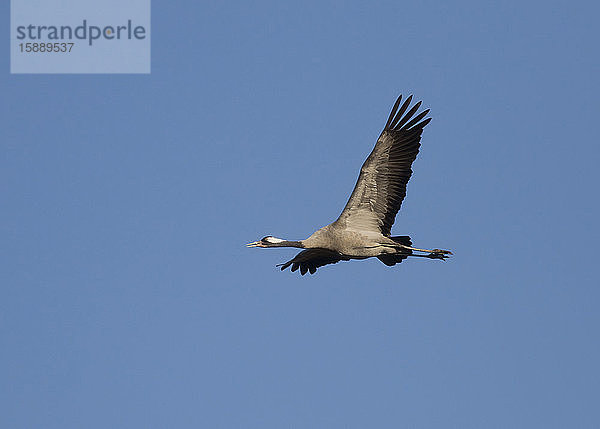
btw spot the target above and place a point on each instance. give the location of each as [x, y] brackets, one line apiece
[439, 254]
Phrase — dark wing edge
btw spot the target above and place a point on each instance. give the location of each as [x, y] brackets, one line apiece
[405, 132]
[381, 185]
[311, 259]
[398, 122]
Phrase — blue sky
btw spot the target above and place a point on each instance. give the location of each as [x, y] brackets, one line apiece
[128, 298]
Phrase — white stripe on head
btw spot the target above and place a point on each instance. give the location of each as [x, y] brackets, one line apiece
[273, 240]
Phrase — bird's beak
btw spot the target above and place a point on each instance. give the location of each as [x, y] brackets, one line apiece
[254, 244]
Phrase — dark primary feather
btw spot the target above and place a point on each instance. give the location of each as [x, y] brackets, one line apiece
[381, 185]
[311, 259]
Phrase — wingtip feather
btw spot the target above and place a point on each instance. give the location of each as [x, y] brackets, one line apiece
[398, 115]
[393, 112]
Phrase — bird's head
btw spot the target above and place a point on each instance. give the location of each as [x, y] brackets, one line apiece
[268, 241]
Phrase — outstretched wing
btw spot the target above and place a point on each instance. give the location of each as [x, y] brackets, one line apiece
[381, 185]
[311, 259]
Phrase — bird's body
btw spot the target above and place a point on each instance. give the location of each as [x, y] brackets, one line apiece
[363, 229]
[354, 244]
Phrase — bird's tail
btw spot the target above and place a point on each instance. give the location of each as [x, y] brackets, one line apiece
[402, 239]
[390, 260]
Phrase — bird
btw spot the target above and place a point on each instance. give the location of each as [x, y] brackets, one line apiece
[363, 229]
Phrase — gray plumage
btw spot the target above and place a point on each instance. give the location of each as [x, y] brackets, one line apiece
[363, 228]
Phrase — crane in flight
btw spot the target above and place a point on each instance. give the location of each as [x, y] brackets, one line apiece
[363, 229]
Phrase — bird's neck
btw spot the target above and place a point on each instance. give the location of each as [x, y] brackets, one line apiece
[288, 243]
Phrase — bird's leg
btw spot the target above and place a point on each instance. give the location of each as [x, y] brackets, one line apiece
[431, 256]
[434, 253]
